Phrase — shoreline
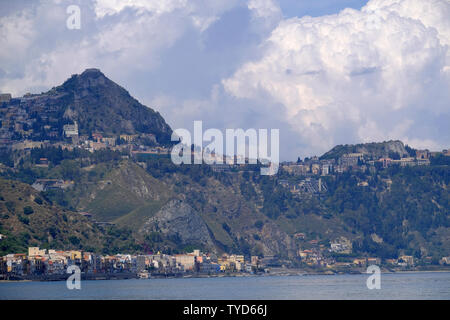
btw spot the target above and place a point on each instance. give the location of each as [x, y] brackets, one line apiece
[271, 273]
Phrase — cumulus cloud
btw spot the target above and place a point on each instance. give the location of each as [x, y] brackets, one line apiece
[201, 12]
[265, 8]
[121, 37]
[360, 75]
[111, 7]
[15, 32]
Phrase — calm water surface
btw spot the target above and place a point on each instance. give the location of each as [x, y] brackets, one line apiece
[393, 286]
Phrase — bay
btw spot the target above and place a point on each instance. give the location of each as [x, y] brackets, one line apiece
[420, 285]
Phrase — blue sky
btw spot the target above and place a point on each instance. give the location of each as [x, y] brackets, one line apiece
[300, 8]
[323, 72]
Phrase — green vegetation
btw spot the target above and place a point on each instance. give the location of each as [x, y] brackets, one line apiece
[26, 222]
[28, 210]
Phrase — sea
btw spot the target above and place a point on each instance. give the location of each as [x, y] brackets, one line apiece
[411, 286]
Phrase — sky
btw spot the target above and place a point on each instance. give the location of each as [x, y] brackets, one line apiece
[323, 72]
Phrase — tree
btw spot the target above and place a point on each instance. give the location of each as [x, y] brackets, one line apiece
[259, 224]
[28, 210]
[394, 155]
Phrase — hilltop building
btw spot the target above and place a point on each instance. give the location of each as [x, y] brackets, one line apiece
[71, 130]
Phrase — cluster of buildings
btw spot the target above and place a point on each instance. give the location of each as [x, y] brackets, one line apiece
[51, 184]
[355, 162]
[33, 121]
[320, 255]
[19, 115]
[404, 162]
[121, 142]
[52, 264]
[130, 143]
[41, 263]
[309, 185]
[310, 167]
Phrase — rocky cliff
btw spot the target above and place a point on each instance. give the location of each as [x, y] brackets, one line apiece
[179, 219]
[373, 150]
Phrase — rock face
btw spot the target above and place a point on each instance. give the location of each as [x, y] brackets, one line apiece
[276, 241]
[375, 150]
[179, 219]
[384, 148]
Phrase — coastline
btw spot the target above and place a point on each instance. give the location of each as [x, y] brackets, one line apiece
[275, 272]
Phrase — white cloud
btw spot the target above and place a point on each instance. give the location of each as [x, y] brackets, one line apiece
[111, 7]
[38, 52]
[202, 12]
[16, 31]
[367, 72]
[266, 14]
[264, 8]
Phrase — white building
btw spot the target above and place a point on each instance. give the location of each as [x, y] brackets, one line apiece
[71, 130]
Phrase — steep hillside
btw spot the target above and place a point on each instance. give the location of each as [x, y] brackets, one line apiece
[28, 219]
[191, 206]
[100, 105]
[96, 103]
[125, 189]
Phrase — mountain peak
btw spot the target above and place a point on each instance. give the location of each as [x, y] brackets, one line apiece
[100, 105]
[91, 77]
[91, 72]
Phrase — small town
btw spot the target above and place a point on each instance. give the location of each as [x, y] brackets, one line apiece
[43, 265]
[22, 130]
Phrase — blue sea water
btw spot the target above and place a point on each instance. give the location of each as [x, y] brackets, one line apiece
[423, 285]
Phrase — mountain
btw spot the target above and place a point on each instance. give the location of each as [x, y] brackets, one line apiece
[97, 104]
[100, 105]
[374, 150]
